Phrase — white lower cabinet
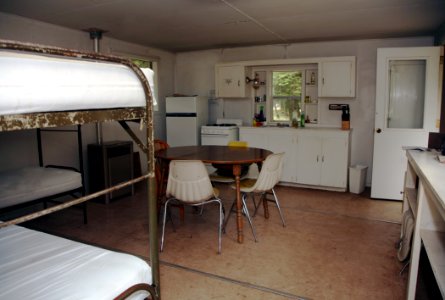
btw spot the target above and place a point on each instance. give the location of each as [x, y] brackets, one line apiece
[313, 157]
[323, 158]
[276, 140]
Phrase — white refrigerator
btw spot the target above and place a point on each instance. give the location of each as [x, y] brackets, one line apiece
[184, 118]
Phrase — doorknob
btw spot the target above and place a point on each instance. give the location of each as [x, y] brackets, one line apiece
[378, 130]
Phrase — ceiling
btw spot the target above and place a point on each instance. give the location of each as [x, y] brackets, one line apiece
[183, 25]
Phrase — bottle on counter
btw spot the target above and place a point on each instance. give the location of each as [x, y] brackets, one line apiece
[261, 114]
[313, 78]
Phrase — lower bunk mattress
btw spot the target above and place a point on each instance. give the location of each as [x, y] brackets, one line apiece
[36, 265]
[32, 183]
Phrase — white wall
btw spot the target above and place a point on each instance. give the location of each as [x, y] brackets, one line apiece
[20, 148]
[194, 74]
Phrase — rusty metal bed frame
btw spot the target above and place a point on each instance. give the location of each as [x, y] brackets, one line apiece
[63, 118]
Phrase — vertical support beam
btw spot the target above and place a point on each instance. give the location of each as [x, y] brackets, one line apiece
[39, 147]
[442, 106]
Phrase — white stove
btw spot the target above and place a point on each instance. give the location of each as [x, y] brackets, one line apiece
[221, 133]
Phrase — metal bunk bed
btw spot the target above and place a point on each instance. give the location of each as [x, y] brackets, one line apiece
[45, 119]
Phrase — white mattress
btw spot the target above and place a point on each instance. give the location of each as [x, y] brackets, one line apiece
[31, 183]
[36, 83]
[35, 265]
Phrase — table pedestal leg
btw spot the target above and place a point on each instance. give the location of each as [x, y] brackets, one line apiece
[239, 217]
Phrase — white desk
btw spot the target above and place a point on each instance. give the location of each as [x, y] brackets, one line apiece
[427, 201]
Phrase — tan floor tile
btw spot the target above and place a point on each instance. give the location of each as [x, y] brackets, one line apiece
[335, 246]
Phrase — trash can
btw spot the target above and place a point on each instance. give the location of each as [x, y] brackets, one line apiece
[357, 178]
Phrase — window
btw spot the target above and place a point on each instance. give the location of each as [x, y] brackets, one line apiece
[286, 94]
[142, 63]
[145, 63]
[282, 90]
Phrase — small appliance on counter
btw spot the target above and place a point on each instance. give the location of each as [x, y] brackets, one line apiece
[345, 116]
[220, 133]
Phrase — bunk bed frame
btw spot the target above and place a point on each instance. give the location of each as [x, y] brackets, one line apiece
[64, 118]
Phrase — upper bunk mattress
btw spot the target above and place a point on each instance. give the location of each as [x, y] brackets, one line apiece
[31, 83]
[36, 265]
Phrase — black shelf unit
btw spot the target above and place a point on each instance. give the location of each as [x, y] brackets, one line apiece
[110, 163]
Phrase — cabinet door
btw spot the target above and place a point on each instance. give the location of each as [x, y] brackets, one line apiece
[334, 161]
[253, 137]
[230, 81]
[309, 160]
[284, 142]
[337, 78]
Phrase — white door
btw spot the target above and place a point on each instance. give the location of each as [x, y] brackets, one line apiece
[406, 111]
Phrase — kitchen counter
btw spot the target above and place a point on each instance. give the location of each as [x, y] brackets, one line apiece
[311, 127]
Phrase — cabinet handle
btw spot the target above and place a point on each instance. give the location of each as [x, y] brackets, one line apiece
[239, 83]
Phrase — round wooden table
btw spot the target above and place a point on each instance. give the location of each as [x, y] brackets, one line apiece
[224, 155]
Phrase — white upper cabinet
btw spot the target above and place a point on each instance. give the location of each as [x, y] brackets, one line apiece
[230, 81]
[336, 77]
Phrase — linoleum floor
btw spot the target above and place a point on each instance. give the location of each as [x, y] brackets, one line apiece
[334, 246]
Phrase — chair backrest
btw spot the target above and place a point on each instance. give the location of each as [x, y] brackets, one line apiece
[242, 144]
[188, 181]
[270, 173]
[160, 145]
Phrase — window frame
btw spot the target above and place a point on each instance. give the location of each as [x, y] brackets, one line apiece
[154, 62]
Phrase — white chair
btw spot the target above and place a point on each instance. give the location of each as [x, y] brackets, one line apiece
[189, 184]
[268, 177]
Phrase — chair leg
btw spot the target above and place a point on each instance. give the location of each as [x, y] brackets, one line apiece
[279, 208]
[255, 204]
[228, 216]
[182, 213]
[246, 212]
[221, 218]
[163, 224]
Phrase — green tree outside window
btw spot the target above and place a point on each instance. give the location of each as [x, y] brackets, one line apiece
[286, 94]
